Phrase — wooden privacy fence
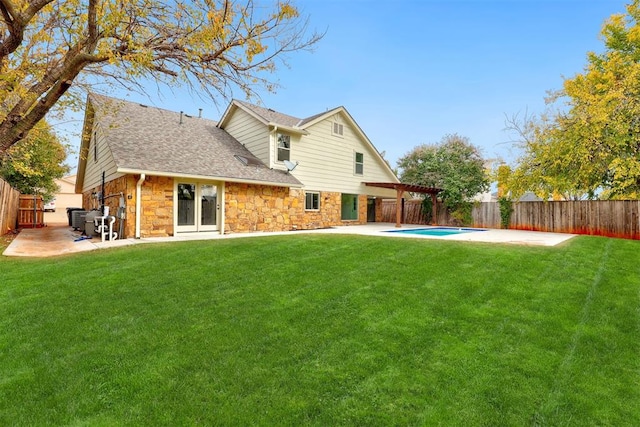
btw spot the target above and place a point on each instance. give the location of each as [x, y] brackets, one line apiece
[613, 218]
[484, 214]
[31, 212]
[9, 203]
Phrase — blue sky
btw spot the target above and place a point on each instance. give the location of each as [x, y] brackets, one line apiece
[410, 72]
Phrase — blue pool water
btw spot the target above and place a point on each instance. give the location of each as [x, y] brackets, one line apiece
[437, 231]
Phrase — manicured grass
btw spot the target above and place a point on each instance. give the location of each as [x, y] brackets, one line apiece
[324, 330]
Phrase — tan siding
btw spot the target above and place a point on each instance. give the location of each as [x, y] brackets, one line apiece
[327, 161]
[66, 196]
[106, 163]
[251, 133]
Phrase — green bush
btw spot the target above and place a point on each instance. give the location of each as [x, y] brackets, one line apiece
[506, 209]
[461, 212]
[427, 209]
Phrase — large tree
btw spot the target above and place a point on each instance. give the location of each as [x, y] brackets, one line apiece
[209, 46]
[33, 164]
[588, 144]
[454, 165]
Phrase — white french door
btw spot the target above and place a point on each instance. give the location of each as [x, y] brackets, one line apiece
[197, 206]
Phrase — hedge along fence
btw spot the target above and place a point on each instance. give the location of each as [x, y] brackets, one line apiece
[613, 218]
[9, 206]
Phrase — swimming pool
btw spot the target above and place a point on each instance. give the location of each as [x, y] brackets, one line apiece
[436, 231]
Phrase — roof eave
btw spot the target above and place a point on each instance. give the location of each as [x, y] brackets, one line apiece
[322, 117]
[207, 177]
[227, 114]
[294, 130]
[231, 108]
[85, 139]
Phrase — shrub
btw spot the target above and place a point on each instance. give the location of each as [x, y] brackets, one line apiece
[506, 209]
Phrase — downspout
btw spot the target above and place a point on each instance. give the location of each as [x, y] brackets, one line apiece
[223, 187]
[275, 144]
[139, 203]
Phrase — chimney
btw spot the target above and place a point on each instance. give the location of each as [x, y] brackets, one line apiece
[199, 113]
[181, 112]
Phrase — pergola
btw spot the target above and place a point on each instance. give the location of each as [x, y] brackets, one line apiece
[412, 188]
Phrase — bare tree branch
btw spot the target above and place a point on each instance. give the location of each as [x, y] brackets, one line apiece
[210, 47]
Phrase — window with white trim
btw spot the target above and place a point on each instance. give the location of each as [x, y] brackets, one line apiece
[338, 129]
[359, 164]
[284, 147]
[312, 201]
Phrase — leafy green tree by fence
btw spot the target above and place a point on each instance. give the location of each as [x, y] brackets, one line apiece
[33, 164]
[589, 146]
[454, 165]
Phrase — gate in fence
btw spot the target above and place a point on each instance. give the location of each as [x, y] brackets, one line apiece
[31, 211]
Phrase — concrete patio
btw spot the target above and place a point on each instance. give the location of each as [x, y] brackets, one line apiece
[60, 239]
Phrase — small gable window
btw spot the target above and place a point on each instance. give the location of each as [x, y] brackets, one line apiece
[284, 147]
[95, 146]
[359, 164]
[338, 129]
[312, 201]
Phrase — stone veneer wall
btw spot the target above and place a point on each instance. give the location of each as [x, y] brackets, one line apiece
[247, 207]
[263, 208]
[112, 188]
[259, 208]
[378, 202]
[157, 204]
[330, 212]
[157, 207]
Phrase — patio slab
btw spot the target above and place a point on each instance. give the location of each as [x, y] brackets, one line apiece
[47, 241]
[60, 239]
[490, 235]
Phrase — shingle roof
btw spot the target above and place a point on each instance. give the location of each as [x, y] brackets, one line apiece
[271, 116]
[154, 140]
[308, 119]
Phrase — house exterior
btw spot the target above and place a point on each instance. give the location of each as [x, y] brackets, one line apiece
[163, 173]
[66, 196]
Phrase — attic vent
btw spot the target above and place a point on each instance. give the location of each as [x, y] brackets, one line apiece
[248, 161]
[142, 105]
[338, 129]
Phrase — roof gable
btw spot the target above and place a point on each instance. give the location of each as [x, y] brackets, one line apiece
[266, 116]
[342, 111]
[273, 118]
[152, 140]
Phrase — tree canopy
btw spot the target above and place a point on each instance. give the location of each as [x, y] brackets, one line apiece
[208, 46]
[454, 165]
[589, 145]
[33, 164]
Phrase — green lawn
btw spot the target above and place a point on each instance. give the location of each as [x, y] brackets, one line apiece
[324, 330]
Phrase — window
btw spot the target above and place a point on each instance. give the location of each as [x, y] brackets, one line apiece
[359, 167]
[312, 201]
[95, 146]
[349, 207]
[338, 129]
[284, 147]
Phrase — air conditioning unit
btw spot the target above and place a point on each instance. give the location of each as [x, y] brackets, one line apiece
[78, 219]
